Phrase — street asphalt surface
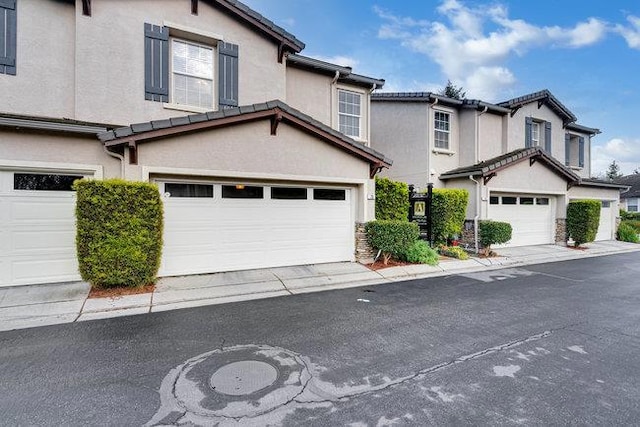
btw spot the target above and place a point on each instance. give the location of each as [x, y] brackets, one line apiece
[549, 344]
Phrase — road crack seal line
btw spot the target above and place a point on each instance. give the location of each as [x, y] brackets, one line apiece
[300, 389]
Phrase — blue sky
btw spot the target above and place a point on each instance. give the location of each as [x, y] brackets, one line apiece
[586, 52]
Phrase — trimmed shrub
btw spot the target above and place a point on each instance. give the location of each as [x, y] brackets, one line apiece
[119, 232]
[393, 238]
[627, 232]
[420, 252]
[493, 233]
[454, 252]
[633, 223]
[448, 212]
[624, 215]
[392, 200]
[583, 217]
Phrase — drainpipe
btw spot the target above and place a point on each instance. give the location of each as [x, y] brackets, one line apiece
[475, 218]
[477, 148]
[116, 156]
[333, 100]
[430, 138]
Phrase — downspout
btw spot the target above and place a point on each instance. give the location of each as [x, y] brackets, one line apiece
[477, 147]
[333, 100]
[368, 124]
[430, 138]
[475, 218]
[116, 156]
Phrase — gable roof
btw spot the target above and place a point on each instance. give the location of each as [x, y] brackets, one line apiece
[276, 111]
[632, 181]
[543, 96]
[254, 19]
[488, 168]
[345, 74]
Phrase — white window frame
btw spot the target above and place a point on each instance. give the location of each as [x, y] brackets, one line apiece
[437, 130]
[535, 133]
[191, 107]
[634, 204]
[359, 116]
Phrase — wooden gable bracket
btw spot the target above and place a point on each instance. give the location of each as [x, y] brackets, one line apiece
[515, 110]
[540, 103]
[275, 121]
[194, 7]
[133, 153]
[281, 52]
[86, 7]
[487, 178]
[532, 160]
[374, 168]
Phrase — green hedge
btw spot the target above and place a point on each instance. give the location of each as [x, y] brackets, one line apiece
[493, 233]
[583, 217]
[392, 237]
[628, 232]
[119, 232]
[392, 200]
[624, 215]
[633, 223]
[448, 212]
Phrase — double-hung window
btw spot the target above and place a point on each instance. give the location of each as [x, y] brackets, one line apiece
[350, 113]
[442, 130]
[535, 134]
[192, 74]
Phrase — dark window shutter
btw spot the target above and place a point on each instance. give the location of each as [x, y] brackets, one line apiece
[547, 137]
[581, 152]
[8, 37]
[527, 131]
[567, 149]
[156, 63]
[228, 75]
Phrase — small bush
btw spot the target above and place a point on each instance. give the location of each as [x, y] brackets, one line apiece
[627, 232]
[420, 252]
[493, 233]
[454, 252]
[448, 212]
[392, 200]
[624, 215]
[583, 217]
[393, 238]
[633, 223]
[119, 232]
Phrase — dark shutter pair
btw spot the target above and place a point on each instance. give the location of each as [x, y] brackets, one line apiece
[8, 37]
[567, 150]
[528, 142]
[156, 68]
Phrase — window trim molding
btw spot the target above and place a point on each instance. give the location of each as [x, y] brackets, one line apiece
[190, 33]
[213, 80]
[440, 150]
[50, 167]
[364, 111]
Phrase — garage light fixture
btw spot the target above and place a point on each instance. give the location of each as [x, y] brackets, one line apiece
[239, 186]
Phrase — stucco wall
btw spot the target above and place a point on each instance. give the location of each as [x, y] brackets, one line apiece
[310, 93]
[599, 193]
[467, 142]
[45, 54]
[399, 129]
[110, 58]
[490, 135]
[536, 178]
[23, 147]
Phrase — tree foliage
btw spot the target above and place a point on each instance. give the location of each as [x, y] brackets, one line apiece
[613, 172]
[453, 91]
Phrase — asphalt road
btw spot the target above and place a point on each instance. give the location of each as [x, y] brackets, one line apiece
[553, 344]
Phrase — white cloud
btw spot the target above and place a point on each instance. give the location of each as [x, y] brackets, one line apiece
[630, 33]
[626, 153]
[344, 61]
[474, 57]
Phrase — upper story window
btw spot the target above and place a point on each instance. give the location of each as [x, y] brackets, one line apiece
[186, 71]
[350, 113]
[8, 37]
[442, 129]
[574, 150]
[192, 71]
[535, 134]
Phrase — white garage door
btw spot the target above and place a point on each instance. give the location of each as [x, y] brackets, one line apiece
[37, 228]
[605, 227]
[530, 216]
[211, 227]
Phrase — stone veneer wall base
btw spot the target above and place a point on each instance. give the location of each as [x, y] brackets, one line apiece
[364, 252]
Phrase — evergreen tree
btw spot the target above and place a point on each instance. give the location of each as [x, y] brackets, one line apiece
[613, 172]
[453, 91]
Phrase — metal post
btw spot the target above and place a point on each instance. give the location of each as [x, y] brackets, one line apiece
[429, 222]
[411, 211]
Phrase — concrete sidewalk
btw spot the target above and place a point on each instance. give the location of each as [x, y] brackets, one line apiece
[39, 305]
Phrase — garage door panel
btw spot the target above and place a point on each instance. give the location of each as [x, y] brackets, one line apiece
[53, 210]
[233, 234]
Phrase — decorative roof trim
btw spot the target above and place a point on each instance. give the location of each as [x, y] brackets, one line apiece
[345, 73]
[276, 110]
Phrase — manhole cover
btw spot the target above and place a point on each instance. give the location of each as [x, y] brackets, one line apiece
[244, 377]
